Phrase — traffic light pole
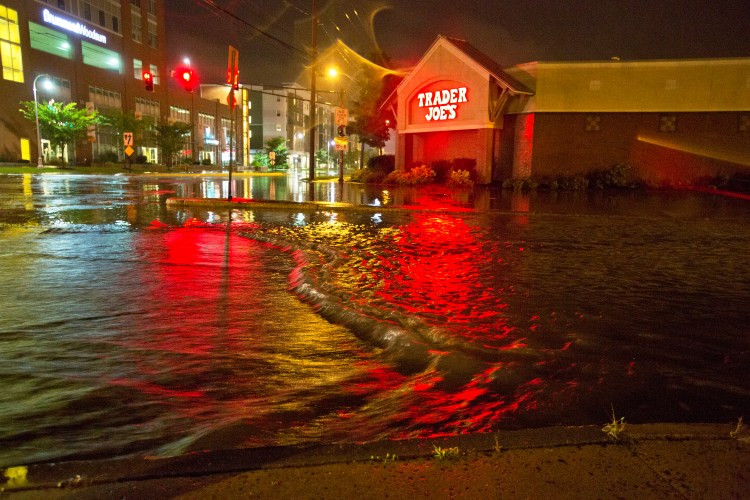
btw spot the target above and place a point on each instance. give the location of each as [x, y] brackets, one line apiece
[232, 131]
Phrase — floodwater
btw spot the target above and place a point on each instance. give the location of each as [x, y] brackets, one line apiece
[127, 327]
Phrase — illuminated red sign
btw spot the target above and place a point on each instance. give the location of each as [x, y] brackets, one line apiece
[441, 104]
[439, 101]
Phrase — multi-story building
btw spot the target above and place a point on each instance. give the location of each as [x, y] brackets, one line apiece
[94, 53]
[285, 112]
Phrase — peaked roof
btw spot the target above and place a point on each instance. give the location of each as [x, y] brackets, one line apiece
[480, 58]
[489, 64]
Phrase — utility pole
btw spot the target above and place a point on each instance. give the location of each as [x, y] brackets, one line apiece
[313, 77]
[341, 153]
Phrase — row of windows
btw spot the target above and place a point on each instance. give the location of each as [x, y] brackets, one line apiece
[59, 44]
[103, 98]
[147, 107]
[10, 45]
[106, 14]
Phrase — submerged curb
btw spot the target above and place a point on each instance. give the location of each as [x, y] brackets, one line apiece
[303, 206]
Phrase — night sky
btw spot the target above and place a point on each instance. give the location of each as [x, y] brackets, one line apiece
[273, 35]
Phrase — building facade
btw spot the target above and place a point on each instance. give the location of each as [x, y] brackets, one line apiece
[94, 53]
[285, 112]
[671, 121]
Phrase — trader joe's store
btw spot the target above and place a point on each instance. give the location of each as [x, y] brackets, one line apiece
[672, 121]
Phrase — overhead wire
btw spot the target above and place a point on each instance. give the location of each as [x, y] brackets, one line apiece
[212, 5]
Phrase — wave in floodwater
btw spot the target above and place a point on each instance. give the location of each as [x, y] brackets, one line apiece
[168, 339]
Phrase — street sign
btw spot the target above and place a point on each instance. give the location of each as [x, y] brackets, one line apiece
[341, 116]
[127, 138]
[342, 143]
[129, 151]
[233, 67]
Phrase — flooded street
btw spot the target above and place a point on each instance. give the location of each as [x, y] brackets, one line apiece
[127, 327]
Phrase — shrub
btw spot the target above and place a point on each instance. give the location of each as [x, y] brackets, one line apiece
[417, 175]
[615, 177]
[368, 176]
[460, 178]
[206, 161]
[468, 164]
[521, 184]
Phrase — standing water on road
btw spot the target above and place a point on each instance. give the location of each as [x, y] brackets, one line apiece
[130, 328]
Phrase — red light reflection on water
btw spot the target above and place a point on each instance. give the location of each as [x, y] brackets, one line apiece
[440, 269]
[195, 312]
[434, 272]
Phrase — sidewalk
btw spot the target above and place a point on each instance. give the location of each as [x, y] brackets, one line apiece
[652, 461]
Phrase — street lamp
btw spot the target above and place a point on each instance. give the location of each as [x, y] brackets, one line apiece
[313, 76]
[40, 160]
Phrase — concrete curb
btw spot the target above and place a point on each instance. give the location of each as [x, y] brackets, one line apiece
[96, 472]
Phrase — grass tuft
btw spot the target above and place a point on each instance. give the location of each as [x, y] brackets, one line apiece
[614, 428]
[737, 430]
[446, 453]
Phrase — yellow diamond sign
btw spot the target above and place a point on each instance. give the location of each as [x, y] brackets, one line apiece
[129, 151]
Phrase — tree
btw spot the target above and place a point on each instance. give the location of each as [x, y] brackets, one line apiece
[170, 137]
[62, 124]
[278, 146]
[372, 124]
[322, 156]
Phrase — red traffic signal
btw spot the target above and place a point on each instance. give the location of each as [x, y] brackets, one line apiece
[187, 78]
[148, 79]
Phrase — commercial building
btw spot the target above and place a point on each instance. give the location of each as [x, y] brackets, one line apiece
[671, 121]
[94, 53]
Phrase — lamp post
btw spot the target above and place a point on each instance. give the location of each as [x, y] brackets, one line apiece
[313, 75]
[40, 160]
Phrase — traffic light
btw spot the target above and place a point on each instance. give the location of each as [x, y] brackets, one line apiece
[148, 79]
[187, 78]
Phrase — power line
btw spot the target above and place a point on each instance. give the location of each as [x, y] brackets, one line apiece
[211, 5]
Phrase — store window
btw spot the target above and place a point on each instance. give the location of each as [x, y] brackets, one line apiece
[50, 41]
[10, 45]
[99, 57]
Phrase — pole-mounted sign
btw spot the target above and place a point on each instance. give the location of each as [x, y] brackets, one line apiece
[233, 76]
